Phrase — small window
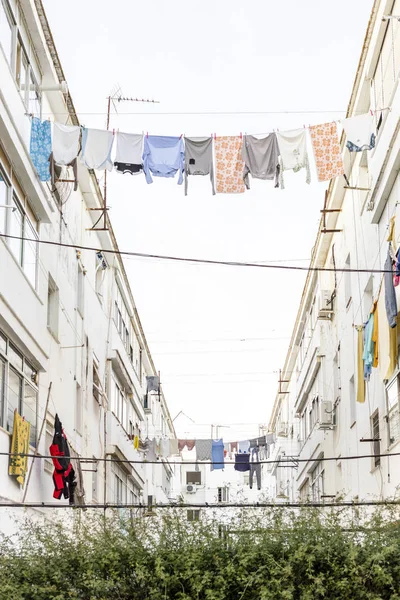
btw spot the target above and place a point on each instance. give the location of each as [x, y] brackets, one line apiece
[4, 194]
[376, 438]
[223, 494]
[52, 307]
[2, 384]
[193, 477]
[29, 411]
[96, 381]
[100, 267]
[318, 482]
[393, 420]
[193, 515]
[6, 33]
[48, 463]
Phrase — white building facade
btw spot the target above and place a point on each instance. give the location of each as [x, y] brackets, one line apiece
[316, 414]
[71, 341]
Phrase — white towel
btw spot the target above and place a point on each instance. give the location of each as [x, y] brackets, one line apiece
[359, 131]
[129, 148]
[96, 149]
[293, 152]
[65, 143]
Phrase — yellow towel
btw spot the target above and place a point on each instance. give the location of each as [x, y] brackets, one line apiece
[375, 335]
[136, 442]
[360, 366]
[392, 233]
[18, 465]
[392, 352]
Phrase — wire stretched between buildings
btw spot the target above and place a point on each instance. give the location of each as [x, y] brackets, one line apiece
[288, 459]
[339, 504]
[203, 261]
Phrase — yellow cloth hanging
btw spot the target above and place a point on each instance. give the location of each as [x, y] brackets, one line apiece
[392, 233]
[18, 465]
[375, 335]
[393, 352]
[136, 442]
[360, 366]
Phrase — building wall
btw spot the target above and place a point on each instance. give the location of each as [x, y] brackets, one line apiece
[321, 364]
[69, 326]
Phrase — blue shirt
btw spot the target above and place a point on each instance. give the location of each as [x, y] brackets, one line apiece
[369, 347]
[163, 156]
[217, 454]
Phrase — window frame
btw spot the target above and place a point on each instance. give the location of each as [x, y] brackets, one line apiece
[188, 477]
[376, 436]
[20, 37]
[393, 410]
[32, 382]
[14, 200]
[317, 480]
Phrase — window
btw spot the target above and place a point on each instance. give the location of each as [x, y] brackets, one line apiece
[128, 336]
[317, 482]
[47, 462]
[125, 489]
[223, 494]
[347, 282]
[6, 33]
[193, 477]
[193, 515]
[387, 68]
[18, 388]
[78, 409]
[80, 291]
[4, 194]
[100, 267]
[118, 401]
[96, 381]
[393, 420]
[305, 491]
[16, 222]
[52, 306]
[20, 54]
[376, 438]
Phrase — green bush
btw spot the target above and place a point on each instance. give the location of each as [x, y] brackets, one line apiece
[262, 555]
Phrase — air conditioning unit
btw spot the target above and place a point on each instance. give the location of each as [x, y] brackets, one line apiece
[191, 489]
[326, 308]
[325, 417]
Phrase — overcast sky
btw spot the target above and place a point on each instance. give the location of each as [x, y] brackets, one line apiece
[218, 334]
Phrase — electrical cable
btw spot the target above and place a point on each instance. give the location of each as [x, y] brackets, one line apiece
[340, 504]
[288, 459]
[197, 260]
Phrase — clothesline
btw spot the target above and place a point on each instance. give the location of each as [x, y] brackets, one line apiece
[227, 160]
[211, 112]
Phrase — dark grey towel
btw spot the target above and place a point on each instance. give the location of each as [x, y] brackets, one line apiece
[199, 159]
[261, 158]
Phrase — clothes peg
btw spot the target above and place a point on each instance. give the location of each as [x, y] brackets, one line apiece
[147, 134]
[372, 114]
[241, 137]
[215, 136]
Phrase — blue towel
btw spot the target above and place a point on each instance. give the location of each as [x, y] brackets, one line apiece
[217, 454]
[40, 147]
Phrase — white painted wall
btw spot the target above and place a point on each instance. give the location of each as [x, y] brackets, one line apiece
[65, 358]
[322, 358]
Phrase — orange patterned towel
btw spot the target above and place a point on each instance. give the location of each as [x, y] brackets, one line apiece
[327, 152]
[229, 165]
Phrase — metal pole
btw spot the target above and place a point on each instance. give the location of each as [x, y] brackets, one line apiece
[105, 172]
